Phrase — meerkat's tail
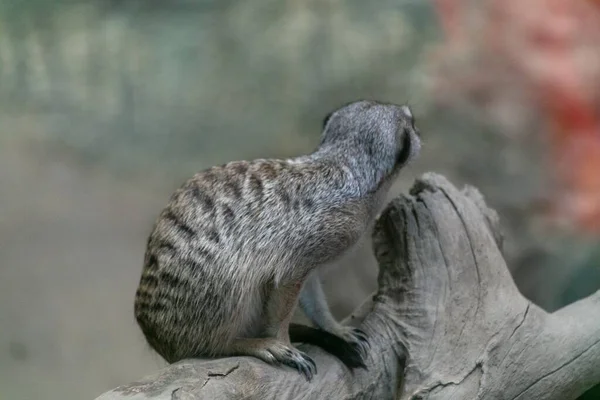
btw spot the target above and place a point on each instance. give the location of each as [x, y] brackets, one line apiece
[348, 353]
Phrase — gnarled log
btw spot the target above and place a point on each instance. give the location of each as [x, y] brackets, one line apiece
[447, 322]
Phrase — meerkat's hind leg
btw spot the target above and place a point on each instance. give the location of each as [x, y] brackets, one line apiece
[275, 347]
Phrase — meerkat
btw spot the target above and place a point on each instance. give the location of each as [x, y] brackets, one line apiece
[238, 246]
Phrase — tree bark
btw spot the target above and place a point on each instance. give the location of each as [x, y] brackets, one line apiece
[447, 322]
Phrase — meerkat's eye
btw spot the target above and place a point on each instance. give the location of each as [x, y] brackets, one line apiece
[405, 151]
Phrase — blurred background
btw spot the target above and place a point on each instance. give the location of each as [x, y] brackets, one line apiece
[106, 106]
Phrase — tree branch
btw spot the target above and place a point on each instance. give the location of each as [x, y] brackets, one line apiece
[447, 322]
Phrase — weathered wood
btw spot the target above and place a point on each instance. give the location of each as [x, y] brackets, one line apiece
[447, 322]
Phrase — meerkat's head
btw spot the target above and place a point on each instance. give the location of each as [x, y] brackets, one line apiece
[386, 132]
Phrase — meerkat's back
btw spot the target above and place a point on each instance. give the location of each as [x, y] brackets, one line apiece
[231, 230]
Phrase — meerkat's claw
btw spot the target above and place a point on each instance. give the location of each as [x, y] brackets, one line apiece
[359, 341]
[298, 360]
[362, 336]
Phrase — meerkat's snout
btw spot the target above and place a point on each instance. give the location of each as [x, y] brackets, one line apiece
[406, 110]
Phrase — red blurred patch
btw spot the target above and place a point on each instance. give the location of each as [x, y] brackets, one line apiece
[551, 47]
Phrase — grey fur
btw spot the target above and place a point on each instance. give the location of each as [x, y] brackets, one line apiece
[237, 241]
